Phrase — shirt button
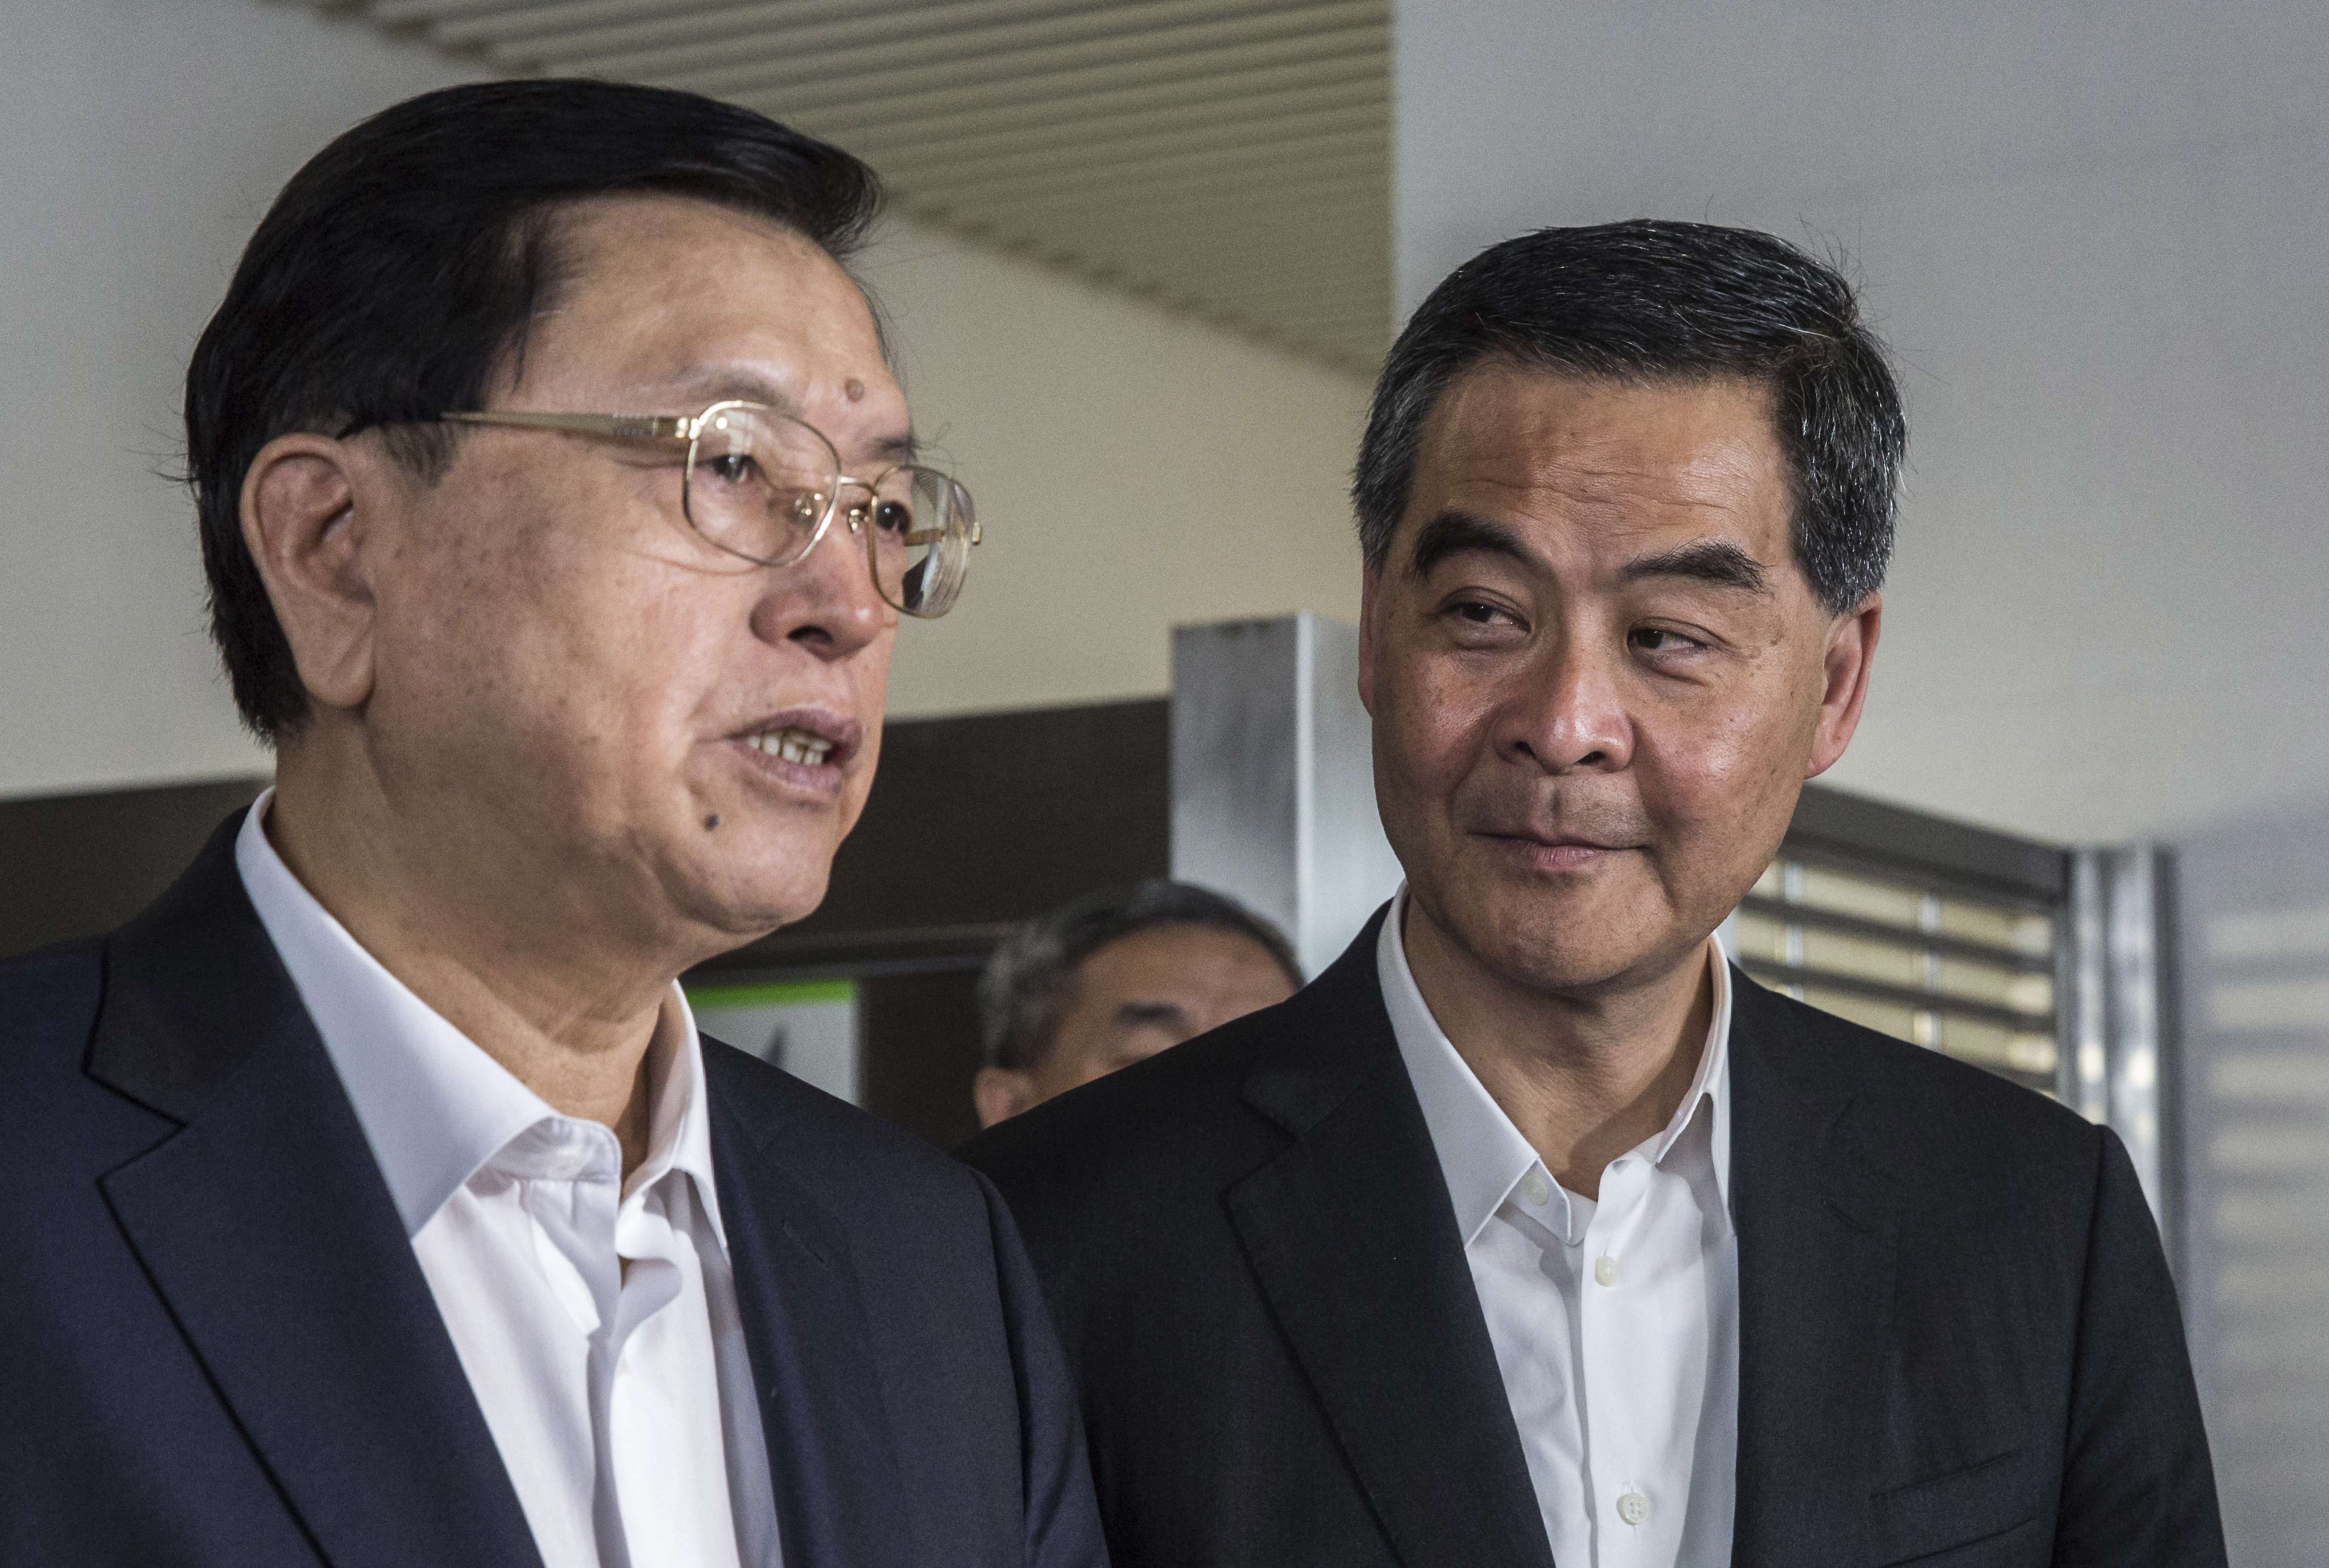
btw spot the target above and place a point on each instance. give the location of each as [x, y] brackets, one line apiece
[1633, 1507]
[1536, 1188]
[1605, 1272]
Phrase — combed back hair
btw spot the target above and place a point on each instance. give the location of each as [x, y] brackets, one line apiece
[1030, 982]
[396, 276]
[1647, 302]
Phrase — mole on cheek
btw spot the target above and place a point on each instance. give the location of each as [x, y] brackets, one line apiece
[853, 388]
[710, 823]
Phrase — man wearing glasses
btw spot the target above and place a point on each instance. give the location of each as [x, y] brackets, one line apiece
[375, 1200]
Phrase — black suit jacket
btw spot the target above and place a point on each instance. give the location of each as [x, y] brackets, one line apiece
[219, 1350]
[1959, 1343]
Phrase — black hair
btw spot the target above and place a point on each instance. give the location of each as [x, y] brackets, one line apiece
[1030, 983]
[399, 271]
[1647, 301]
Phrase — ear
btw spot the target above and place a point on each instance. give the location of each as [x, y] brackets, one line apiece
[1001, 1093]
[1370, 580]
[1850, 652]
[306, 531]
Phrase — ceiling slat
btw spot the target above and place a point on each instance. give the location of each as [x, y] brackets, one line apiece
[987, 34]
[405, 12]
[1243, 109]
[927, 116]
[952, 165]
[1356, 187]
[642, 24]
[1228, 158]
[1084, 85]
[1168, 167]
[1207, 47]
[1252, 228]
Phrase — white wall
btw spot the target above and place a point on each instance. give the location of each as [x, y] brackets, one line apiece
[2095, 235]
[144, 139]
[1133, 468]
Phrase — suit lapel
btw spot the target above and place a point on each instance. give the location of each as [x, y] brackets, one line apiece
[1354, 1239]
[833, 1462]
[1817, 1225]
[270, 1234]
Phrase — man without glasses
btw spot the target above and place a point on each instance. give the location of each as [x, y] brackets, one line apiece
[1114, 978]
[376, 1201]
[1532, 1232]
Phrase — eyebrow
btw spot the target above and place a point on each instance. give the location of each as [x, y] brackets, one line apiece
[1169, 1014]
[1458, 532]
[1717, 561]
[902, 446]
[722, 384]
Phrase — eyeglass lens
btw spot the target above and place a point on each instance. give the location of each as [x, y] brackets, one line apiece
[917, 526]
[759, 483]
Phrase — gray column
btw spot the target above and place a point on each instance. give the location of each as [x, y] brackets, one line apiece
[2117, 1066]
[1273, 778]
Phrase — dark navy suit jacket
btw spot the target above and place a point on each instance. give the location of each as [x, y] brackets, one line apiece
[216, 1345]
[1958, 1345]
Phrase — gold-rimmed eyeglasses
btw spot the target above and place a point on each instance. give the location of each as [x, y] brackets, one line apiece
[764, 486]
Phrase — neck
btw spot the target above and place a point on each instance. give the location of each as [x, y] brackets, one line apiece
[1584, 1077]
[570, 1017]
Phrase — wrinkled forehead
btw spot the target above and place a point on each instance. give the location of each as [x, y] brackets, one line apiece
[677, 301]
[1604, 464]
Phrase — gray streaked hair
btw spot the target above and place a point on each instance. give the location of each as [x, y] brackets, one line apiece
[1646, 302]
[1030, 983]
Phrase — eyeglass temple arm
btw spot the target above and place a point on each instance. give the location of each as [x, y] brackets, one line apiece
[653, 426]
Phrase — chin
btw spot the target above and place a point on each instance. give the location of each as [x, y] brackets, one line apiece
[1570, 969]
[747, 889]
[1572, 945]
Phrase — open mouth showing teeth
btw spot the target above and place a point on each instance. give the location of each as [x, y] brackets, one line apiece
[792, 744]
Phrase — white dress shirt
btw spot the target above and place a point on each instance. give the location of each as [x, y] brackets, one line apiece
[596, 1318]
[1616, 1323]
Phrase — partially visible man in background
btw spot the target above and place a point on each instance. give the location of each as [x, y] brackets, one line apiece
[1114, 978]
[376, 1201]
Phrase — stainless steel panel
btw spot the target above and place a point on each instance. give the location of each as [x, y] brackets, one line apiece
[1346, 866]
[1237, 714]
[1273, 778]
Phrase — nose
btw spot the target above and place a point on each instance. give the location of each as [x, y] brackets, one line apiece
[1567, 712]
[826, 602]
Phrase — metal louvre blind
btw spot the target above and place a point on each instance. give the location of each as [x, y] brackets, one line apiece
[1972, 976]
[1937, 933]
